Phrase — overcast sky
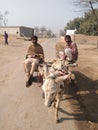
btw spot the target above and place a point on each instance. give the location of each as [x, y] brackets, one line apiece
[53, 14]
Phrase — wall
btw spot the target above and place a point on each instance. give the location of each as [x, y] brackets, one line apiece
[17, 31]
[25, 31]
[9, 30]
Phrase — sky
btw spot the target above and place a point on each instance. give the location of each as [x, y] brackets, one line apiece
[52, 14]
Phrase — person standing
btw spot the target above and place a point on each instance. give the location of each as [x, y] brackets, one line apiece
[5, 38]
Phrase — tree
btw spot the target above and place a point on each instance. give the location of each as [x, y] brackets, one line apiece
[43, 30]
[74, 24]
[91, 4]
[36, 30]
[5, 20]
[1, 18]
[49, 33]
[87, 4]
[84, 25]
[62, 32]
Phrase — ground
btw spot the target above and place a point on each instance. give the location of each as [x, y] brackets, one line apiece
[87, 76]
[86, 91]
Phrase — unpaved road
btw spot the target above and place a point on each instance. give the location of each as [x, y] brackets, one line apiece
[23, 108]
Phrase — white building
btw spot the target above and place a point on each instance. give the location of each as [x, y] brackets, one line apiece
[71, 33]
[17, 31]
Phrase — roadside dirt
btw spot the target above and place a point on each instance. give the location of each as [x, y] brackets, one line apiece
[86, 73]
[21, 109]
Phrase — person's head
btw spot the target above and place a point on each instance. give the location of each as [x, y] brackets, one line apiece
[34, 39]
[67, 39]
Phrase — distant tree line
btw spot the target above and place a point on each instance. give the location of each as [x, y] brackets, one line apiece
[62, 32]
[43, 32]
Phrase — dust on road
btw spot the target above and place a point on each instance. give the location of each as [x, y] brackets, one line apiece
[23, 108]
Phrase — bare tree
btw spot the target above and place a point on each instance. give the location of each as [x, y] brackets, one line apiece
[5, 20]
[91, 4]
[1, 18]
[85, 3]
[36, 30]
[49, 33]
[88, 4]
[43, 30]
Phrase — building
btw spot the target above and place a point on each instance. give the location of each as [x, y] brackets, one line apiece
[71, 33]
[20, 31]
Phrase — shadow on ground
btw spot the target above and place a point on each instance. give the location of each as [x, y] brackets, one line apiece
[86, 92]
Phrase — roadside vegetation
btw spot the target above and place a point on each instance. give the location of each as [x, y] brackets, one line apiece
[87, 24]
[84, 25]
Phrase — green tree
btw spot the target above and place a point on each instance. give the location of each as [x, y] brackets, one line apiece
[87, 5]
[84, 25]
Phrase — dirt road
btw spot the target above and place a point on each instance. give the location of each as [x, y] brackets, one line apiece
[23, 108]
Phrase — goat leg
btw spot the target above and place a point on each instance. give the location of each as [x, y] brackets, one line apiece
[58, 97]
